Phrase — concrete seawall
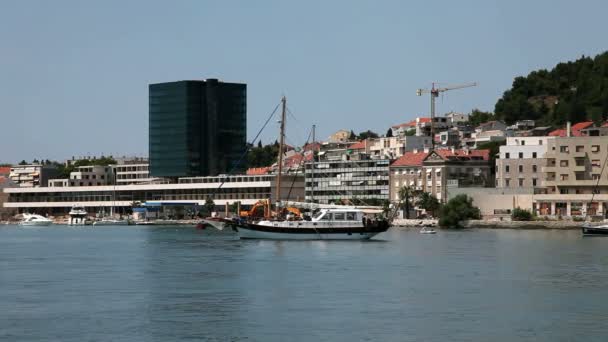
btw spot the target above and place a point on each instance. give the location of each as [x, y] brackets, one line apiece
[524, 224]
[564, 224]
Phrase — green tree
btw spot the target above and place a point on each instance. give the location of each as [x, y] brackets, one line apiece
[23, 162]
[367, 134]
[352, 136]
[208, 207]
[477, 117]
[520, 214]
[457, 210]
[428, 202]
[406, 194]
[410, 132]
[568, 92]
[389, 133]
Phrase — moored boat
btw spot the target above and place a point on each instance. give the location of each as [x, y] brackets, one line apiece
[111, 222]
[327, 224]
[35, 220]
[78, 216]
[589, 229]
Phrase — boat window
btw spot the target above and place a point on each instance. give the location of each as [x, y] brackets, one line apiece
[327, 217]
[317, 214]
[339, 216]
[350, 216]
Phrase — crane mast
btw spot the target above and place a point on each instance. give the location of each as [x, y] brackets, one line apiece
[434, 91]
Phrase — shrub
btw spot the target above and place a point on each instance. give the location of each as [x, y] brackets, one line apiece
[520, 214]
[458, 209]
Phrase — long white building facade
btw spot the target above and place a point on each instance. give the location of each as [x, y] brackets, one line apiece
[224, 190]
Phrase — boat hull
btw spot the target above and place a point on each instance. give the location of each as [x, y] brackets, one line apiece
[252, 231]
[36, 224]
[590, 230]
[111, 223]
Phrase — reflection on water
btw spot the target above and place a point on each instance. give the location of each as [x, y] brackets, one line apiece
[169, 284]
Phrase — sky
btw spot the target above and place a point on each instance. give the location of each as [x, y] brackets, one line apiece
[74, 75]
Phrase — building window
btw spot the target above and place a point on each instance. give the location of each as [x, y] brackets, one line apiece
[596, 176]
[506, 168]
[564, 149]
[521, 182]
[521, 168]
[534, 168]
[540, 142]
[521, 155]
[580, 148]
[563, 163]
[563, 191]
[507, 181]
[507, 155]
[595, 148]
[579, 161]
[563, 177]
[533, 181]
[523, 142]
[579, 175]
[533, 154]
[595, 163]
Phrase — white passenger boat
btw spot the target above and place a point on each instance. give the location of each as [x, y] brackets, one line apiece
[78, 216]
[326, 224]
[35, 220]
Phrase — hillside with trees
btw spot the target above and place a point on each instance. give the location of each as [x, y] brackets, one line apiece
[572, 91]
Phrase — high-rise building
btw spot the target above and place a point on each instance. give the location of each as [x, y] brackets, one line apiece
[197, 128]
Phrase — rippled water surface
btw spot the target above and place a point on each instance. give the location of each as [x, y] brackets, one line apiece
[174, 284]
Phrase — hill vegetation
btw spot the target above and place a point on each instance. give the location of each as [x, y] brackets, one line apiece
[572, 91]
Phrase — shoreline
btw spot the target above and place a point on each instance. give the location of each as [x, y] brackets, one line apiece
[491, 224]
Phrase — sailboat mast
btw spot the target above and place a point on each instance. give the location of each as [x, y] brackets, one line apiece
[281, 143]
[312, 169]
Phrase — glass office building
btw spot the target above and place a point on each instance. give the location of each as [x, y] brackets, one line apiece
[196, 128]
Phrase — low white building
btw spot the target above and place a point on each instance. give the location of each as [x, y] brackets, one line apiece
[224, 190]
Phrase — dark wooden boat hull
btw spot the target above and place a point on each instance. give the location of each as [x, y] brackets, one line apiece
[255, 231]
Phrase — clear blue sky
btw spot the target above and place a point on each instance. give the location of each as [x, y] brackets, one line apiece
[74, 75]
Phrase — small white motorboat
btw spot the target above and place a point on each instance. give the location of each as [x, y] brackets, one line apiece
[111, 222]
[427, 230]
[35, 220]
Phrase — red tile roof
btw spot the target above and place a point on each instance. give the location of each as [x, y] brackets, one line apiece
[254, 171]
[575, 129]
[312, 146]
[582, 125]
[416, 158]
[412, 123]
[410, 159]
[358, 145]
[407, 124]
[5, 170]
[296, 160]
[557, 133]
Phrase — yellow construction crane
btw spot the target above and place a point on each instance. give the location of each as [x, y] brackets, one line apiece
[435, 93]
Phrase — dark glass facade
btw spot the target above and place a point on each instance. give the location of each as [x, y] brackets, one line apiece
[196, 128]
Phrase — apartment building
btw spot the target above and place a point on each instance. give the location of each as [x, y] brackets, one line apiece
[395, 147]
[356, 177]
[520, 161]
[574, 177]
[31, 176]
[92, 175]
[439, 169]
